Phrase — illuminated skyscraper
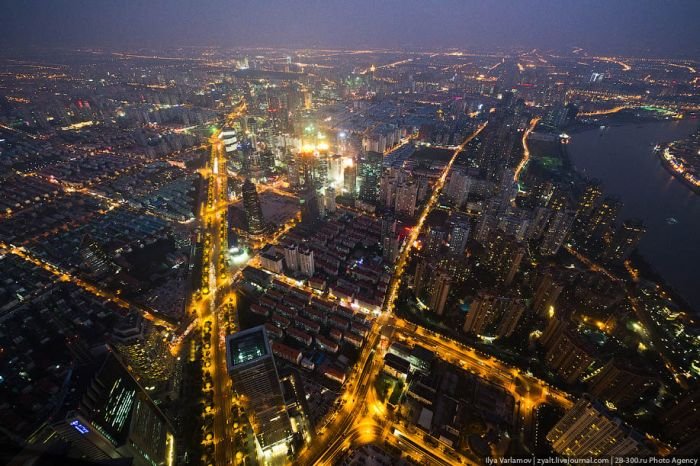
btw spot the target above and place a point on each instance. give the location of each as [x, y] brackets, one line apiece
[370, 170]
[329, 198]
[435, 239]
[459, 234]
[406, 196]
[350, 180]
[601, 222]
[504, 255]
[253, 211]
[458, 187]
[682, 421]
[557, 231]
[568, 354]
[624, 241]
[588, 429]
[321, 202]
[106, 415]
[251, 366]
[493, 315]
[512, 313]
[439, 292]
[483, 311]
[590, 200]
[546, 295]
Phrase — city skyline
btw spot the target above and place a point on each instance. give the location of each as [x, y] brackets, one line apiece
[349, 233]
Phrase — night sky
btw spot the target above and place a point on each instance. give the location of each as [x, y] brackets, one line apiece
[641, 27]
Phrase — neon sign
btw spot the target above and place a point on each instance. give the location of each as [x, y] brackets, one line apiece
[79, 427]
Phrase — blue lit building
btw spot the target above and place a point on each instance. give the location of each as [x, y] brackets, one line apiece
[107, 415]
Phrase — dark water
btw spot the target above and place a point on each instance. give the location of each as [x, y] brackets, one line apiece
[623, 159]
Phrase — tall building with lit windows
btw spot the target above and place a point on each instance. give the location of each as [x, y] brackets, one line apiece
[458, 187]
[107, 415]
[439, 292]
[590, 200]
[504, 254]
[350, 180]
[624, 241]
[600, 223]
[252, 368]
[306, 261]
[309, 206]
[621, 382]
[370, 171]
[291, 257]
[546, 294]
[493, 315]
[557, 231]
[568, 353]
[588, 430]
[253, 211]
[406, 197]
[459, 234]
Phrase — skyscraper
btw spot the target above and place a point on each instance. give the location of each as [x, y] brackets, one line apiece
[600, 224]
[482, 312]
[588, 429]
[439, 291]
[557, 231]
[590, 200]
[546, 295]
[291, 257]
[421, 277]
[682, 420]
[308, 203]
[459, 234]
[106, 414]
[458, 187]
[620, 383]
[568, 354]
[504, 255]
[493, 315]
[253, 372]
[350, 180]
[329, 197]
[370, 169]
[387, 189]
[253, 211]
[435, 239]
[406, 196]
[306, 261]
[512, 313]
[321, 202]
[624, 241]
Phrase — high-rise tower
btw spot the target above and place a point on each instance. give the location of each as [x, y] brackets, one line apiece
[588, 429]
[107, 415]
[253, 211]
[251, 366]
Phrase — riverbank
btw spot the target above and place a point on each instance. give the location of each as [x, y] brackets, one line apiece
[622, 158]
[672, 169]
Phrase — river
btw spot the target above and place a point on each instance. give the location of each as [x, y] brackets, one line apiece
[622, 158]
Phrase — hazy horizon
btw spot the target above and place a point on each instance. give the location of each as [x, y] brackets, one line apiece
[640, 28]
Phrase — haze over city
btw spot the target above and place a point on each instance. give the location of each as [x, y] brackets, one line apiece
[638, 27]
[349, 233]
